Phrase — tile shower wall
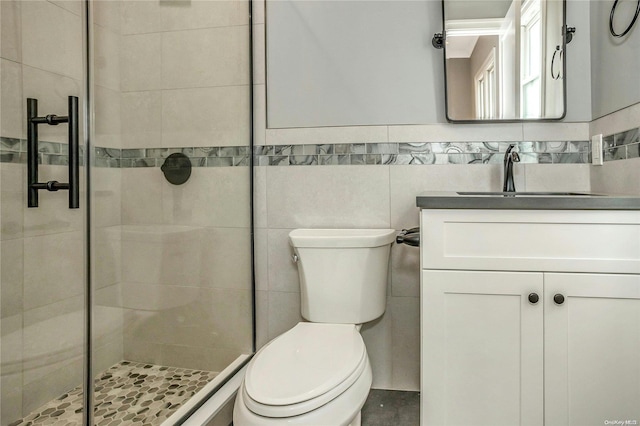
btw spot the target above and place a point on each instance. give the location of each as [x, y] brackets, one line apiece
[186, 272]
[175, 88]
[106, 190]
[306, 194]
[184, 73]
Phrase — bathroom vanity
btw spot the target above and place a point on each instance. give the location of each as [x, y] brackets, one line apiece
[530, 309]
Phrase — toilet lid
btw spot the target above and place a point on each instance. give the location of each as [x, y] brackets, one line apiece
[304, 363]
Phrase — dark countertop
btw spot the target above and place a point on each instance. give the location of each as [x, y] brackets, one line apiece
[527, 201]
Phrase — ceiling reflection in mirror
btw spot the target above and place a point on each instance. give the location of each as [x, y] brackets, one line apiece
[504, 59]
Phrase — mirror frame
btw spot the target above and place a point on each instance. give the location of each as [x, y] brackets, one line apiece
[500, 120]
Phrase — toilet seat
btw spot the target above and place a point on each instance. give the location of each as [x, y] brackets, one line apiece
[303, 369]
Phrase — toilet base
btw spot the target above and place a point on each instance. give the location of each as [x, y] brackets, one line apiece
[342, 411]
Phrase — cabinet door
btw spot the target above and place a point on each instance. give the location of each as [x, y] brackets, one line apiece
[592, 349]
[481, 348]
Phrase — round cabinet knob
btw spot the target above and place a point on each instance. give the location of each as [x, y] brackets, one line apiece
[558, 299]
[533, 298]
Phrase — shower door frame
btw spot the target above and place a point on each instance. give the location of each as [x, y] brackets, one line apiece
[88, 135]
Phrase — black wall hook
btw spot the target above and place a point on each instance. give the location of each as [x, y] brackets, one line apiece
[438, 40]
[568, 33]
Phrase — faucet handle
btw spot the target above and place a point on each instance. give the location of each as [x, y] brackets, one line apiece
[515, 157]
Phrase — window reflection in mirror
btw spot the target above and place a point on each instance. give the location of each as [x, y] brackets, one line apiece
[499, 56]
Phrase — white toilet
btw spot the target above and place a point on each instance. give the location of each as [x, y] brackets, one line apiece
[318, 373]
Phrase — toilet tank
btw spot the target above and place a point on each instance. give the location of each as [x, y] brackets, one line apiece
[343, 273]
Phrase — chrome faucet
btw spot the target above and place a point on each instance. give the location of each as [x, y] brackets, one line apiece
[510, 157]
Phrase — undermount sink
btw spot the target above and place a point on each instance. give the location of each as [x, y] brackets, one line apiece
[530, 194]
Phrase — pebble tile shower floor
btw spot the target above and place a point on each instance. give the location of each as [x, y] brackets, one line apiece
[128, 393]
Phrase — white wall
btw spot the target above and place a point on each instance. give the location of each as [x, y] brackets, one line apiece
[615, 92]
[375, 65]
[578, 57]
[353, 63]
[615, 61]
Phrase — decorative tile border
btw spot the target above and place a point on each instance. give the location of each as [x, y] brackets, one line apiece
[619, 146]
[14, 150]
[622, 146]
[54, 153]
[11, 150]
[212, 156]
[420, 153]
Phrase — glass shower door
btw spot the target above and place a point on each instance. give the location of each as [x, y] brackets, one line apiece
[43, 236]
[171, 224]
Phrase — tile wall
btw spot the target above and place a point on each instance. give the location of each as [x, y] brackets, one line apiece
[184, 74]
[421, 153]
[622, 145]
[360, 196]
[186, 270]
[379, 191]
[620, 173]
[184, 83]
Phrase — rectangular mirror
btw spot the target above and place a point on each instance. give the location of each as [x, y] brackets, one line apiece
[504, 60]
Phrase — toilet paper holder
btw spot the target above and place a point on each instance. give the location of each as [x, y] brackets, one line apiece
[410, 237]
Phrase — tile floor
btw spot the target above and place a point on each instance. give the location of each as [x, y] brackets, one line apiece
[128, 393]
[384, 408]
[143, 394]
[391, 408]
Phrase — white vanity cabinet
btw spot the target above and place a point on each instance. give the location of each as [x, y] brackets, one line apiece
[482, 352]
[592, 349]
[497, 349]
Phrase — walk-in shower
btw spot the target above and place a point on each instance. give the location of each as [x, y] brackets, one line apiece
[121, 310]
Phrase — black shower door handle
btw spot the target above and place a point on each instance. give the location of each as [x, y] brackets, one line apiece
[33, 186]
